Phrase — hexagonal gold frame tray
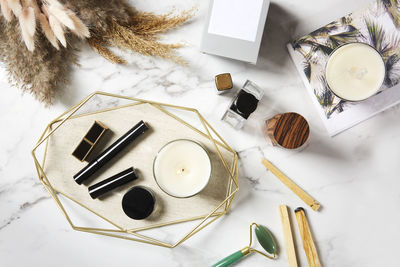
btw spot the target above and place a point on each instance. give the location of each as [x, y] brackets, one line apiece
[216, 142]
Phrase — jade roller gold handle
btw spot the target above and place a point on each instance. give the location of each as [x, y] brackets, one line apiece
[231, 259]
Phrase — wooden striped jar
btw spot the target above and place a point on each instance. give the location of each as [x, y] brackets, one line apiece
[288, 130]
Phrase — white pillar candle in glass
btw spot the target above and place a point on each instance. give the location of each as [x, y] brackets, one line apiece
[355, 71]
[182, 168]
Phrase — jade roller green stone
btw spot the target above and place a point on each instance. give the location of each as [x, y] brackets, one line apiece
[265, 239]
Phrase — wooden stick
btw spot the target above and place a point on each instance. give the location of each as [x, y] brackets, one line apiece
[291, 185]
[308, 243]
[287, 232]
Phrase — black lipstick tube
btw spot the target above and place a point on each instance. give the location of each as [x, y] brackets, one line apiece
[110, 152]
[113, 182]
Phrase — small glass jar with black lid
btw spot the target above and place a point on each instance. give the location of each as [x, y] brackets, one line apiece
[243, 104]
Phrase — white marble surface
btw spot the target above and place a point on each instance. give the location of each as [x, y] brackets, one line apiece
[355, 175]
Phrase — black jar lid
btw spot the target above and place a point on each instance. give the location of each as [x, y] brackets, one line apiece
[138, 203]
[244, 104]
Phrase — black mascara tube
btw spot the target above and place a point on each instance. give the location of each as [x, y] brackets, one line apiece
[110, 152]
[113, 182]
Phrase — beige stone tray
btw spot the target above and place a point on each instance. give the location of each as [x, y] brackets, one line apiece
[60, 166]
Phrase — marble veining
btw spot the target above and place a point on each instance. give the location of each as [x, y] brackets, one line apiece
[353, 175]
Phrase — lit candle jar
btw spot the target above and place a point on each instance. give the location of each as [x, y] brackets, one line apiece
[182, 168]
[355, 71]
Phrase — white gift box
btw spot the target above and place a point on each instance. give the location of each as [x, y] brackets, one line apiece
[234, 28]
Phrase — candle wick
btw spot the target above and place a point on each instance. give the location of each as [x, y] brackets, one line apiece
[181, 171]
[357, 73]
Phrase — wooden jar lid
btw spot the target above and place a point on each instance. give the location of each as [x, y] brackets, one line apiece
[289, 130]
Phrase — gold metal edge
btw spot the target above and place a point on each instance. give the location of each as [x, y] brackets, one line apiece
[232, 173]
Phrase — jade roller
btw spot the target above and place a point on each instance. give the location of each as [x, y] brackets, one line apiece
[265, 239]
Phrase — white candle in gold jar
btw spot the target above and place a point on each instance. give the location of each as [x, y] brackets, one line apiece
[182, 168]
[355, 71]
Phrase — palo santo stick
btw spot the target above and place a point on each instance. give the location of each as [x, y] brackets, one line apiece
[308, 243]
[292, 186]
[287, 232]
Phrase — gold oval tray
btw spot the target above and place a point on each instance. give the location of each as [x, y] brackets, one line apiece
[58, 166]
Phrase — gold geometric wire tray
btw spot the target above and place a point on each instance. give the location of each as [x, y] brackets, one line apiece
[230, 165]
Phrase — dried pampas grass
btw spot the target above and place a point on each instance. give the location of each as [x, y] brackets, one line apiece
[6, 10]
[140, 35]
[58, 30]
[38, 64]
[48, 32]
[27, 23]
[115, 23]
[57, 16]
[104, 51]
[15, 6]
[42, 72]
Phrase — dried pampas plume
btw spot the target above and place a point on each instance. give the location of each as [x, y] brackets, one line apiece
[27, 23]
[141, 35]
[48, 32]
[40, 73]
[5, 10]
[52, 15]
[113, 23]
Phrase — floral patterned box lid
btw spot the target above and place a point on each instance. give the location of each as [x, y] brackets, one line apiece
[378, 25]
